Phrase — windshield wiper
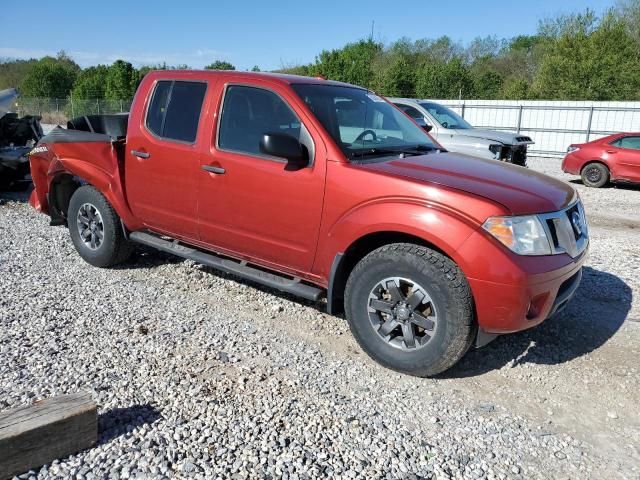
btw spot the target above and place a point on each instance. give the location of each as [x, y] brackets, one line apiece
[415, 150]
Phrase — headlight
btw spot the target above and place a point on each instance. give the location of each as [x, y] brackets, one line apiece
[522, 235]
[496, 150]
[572, 148]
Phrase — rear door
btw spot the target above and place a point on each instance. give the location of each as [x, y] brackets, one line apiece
[626, 162]
[254, 205]
[163, 158]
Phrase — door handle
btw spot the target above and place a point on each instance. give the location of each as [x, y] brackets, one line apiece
[140, 154]
[212, 169]
[611, 151]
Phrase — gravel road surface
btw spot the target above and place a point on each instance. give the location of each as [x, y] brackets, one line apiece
[199, 375]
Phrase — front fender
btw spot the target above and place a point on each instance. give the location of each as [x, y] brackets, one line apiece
[443, 227]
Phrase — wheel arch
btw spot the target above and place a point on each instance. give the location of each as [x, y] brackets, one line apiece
[61, 189]
[591, 162]
[344, 262]
[75, 173]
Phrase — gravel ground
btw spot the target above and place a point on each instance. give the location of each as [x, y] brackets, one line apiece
[198, 375]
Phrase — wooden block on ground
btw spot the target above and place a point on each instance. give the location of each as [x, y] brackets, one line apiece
[49, 429]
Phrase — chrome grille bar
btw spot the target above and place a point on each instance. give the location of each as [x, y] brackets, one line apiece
[567, 229]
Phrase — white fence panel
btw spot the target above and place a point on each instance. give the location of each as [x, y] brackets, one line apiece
[553, 125]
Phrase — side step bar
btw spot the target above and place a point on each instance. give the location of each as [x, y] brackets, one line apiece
[241, 269]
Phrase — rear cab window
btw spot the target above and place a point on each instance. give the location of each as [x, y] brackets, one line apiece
[174, 111]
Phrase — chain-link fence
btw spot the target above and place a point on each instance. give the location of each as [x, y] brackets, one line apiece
[60, 110]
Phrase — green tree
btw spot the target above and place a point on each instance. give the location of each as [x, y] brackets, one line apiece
[444, 80]
[441, 49]
[515, 89]
[352, 63]
[255, 68]
[13, 71]
[303, 70]
[628, 11]
[487, 83]
[524, 43]
[220, 65]
[90, 83]
[49, 77]
[482, 48]
[394, 76]
[121, 81]
[587, 59]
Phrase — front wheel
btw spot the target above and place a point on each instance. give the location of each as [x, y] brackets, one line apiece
[410, 308]
[95, 229]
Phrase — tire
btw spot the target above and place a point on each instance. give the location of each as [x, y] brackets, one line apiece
[447, 305]
[88, 204]
[595, 175]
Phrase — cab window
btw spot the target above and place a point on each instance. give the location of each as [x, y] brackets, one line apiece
[174, 110]
[412, 112]
[250, 112]
[632, 143]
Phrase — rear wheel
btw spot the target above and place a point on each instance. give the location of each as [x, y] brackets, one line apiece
[410, 308]
[95, 229]
[595, 175]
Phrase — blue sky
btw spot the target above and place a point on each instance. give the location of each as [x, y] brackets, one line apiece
[267, 33]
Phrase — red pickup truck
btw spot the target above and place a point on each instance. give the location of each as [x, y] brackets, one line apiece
[320, 188]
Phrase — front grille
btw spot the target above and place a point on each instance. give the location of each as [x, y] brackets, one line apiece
[523, 139]
[567, 229]
[571, 212]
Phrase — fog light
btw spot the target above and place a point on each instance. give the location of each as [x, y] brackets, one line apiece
[536, 306]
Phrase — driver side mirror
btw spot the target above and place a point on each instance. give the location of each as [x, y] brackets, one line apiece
[427, 127]
[285, 146]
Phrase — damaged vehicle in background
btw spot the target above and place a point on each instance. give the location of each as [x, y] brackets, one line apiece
[17, 138]
[456, 134]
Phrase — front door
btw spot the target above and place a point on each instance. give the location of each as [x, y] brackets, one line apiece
[163, 159]
[253, 204]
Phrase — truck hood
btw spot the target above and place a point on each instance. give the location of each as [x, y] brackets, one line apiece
[518, 189]
[507, 138]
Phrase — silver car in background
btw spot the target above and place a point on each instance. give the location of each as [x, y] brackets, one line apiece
[456, 134]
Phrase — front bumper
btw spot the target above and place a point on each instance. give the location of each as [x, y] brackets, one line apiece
[512, 307]
[572, 164]
[516, 154]
[514, 292]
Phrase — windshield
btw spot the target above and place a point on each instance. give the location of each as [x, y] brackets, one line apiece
[445, 116]
[363, 124]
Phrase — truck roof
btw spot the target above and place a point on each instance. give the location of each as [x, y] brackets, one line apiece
[278, 77]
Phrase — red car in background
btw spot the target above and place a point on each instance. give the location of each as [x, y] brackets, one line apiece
[614, 158]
